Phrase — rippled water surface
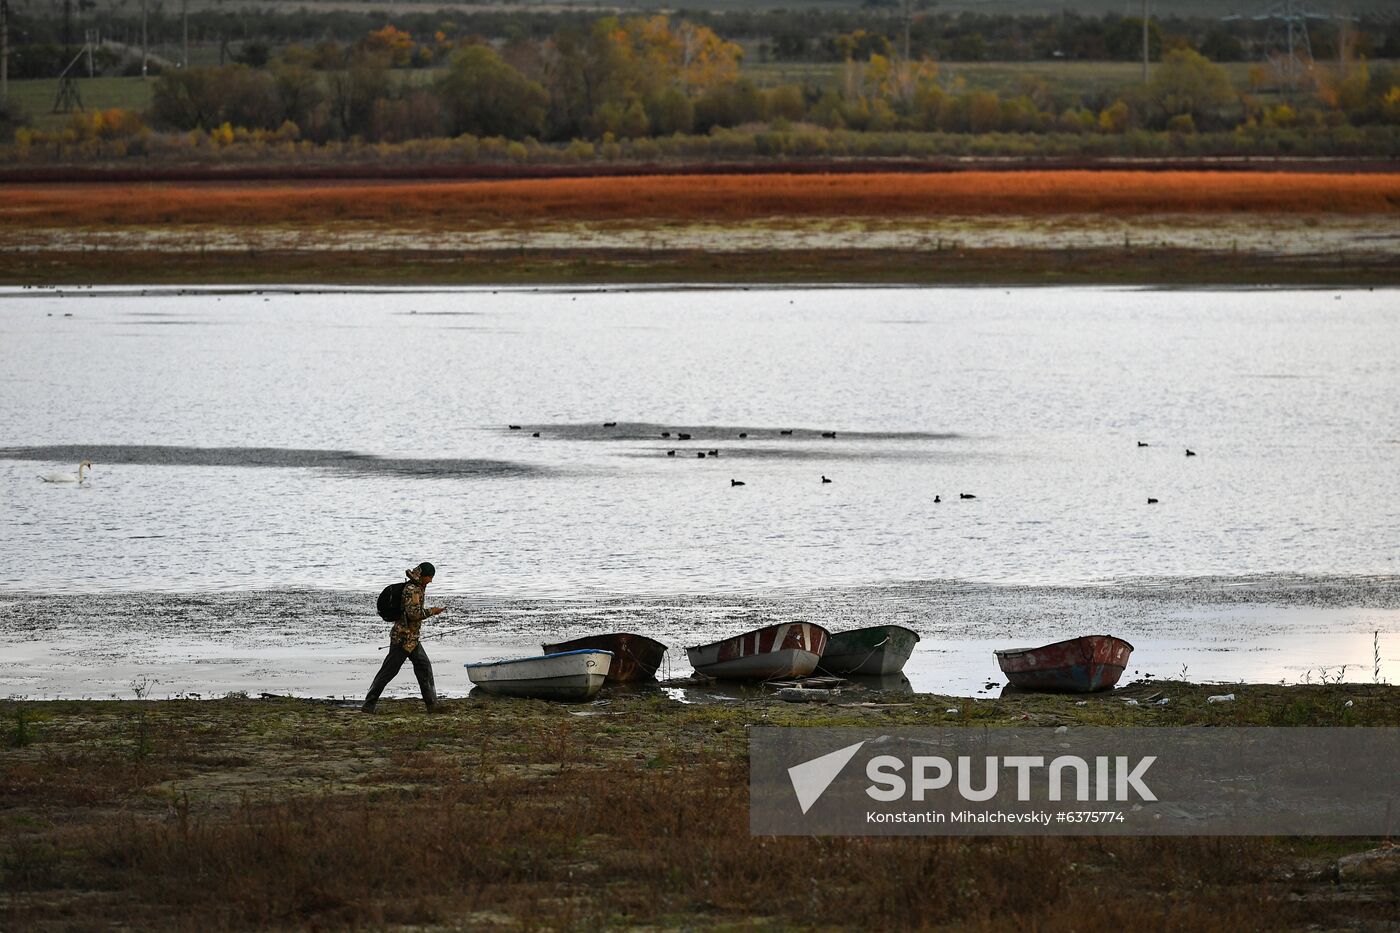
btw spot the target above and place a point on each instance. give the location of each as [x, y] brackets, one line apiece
[325, 440]
[243, 439]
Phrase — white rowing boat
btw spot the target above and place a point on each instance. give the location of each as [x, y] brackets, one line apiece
[569, 675]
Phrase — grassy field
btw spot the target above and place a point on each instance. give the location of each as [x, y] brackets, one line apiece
[284, 814]
[36, 97]
[1006, 78]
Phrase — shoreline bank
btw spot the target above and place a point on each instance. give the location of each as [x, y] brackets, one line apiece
[250, 814]
[1130, 227]
[561, 268]
[1298, 629]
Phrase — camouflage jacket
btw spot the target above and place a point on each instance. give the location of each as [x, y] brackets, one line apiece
[405, 631]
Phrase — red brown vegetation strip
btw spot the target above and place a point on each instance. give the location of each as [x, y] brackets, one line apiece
[705, 198]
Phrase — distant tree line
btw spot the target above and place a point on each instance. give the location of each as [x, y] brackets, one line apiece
[591, 87]
[808, 34]
[654, 76]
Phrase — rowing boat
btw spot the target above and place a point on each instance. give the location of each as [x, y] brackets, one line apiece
[878, 649]
[634, 657]
[568, 675]
[1079, 665]
[790, 649]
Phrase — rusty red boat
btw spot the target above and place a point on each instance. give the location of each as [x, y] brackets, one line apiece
[1078, 665]
[790, 649]
[634, 657]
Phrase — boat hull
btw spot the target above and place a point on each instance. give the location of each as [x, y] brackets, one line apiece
[791, 649]
[873, 651]
[634, 657]
[1077, 665]
[569, 676]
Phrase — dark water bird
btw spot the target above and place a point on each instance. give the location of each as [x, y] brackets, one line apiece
[514, 427]
[966, 495]
[1142, 444]
[670, 453]
[700, 454]
[609, 424]
[828, 434]
[714, 453]
[684, 437]
[1190, 452]
[1151, 501]
[784, 432]
[665, 433]
[743, 433]
[937, 499]
[536, 434]
[736, 482]
[825, 480]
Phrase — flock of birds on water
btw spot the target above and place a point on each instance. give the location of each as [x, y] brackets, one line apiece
[80, 478]
[787, 432]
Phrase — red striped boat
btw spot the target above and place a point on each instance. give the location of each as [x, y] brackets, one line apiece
[790, 649]
[1079, 665]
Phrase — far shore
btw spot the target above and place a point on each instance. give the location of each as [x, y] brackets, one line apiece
[1029, 227]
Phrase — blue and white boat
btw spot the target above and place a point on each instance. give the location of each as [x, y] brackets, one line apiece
[569, 675]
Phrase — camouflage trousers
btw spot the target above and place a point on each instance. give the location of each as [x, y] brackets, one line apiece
[422, 669]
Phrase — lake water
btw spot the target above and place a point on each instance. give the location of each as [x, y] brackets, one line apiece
[246, 441]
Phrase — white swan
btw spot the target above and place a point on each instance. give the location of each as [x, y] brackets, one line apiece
[68, 477]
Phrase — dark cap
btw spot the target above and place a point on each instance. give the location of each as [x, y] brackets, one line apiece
[426, 569]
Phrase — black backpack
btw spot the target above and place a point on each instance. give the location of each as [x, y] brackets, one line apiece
[390, 604]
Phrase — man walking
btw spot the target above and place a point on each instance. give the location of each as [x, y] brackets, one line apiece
[404, 643]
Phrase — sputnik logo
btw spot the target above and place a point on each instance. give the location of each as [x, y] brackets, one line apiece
[811, 778]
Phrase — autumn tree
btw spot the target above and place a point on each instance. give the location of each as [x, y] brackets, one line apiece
[204, 98]
[1187, 83]
[484, 96]
[672, 112]
[394, 45]
[351, 92]
[298, 88]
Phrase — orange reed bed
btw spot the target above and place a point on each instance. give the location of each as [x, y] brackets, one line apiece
[702, 198]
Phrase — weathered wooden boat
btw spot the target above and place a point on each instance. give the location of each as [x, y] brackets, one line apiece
[790, 649]
[1079, 665]
[878, 649]
[634, 657]
[569, 675]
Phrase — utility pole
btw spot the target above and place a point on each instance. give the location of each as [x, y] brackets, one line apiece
[4, 52]
[1144, 42]
[185, 30]
[907, 4]
[68, 98]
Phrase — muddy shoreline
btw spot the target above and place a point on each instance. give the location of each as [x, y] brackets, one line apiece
[1295, 629]
[582, 267]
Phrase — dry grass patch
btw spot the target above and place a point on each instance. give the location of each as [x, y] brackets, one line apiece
[703, 198]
